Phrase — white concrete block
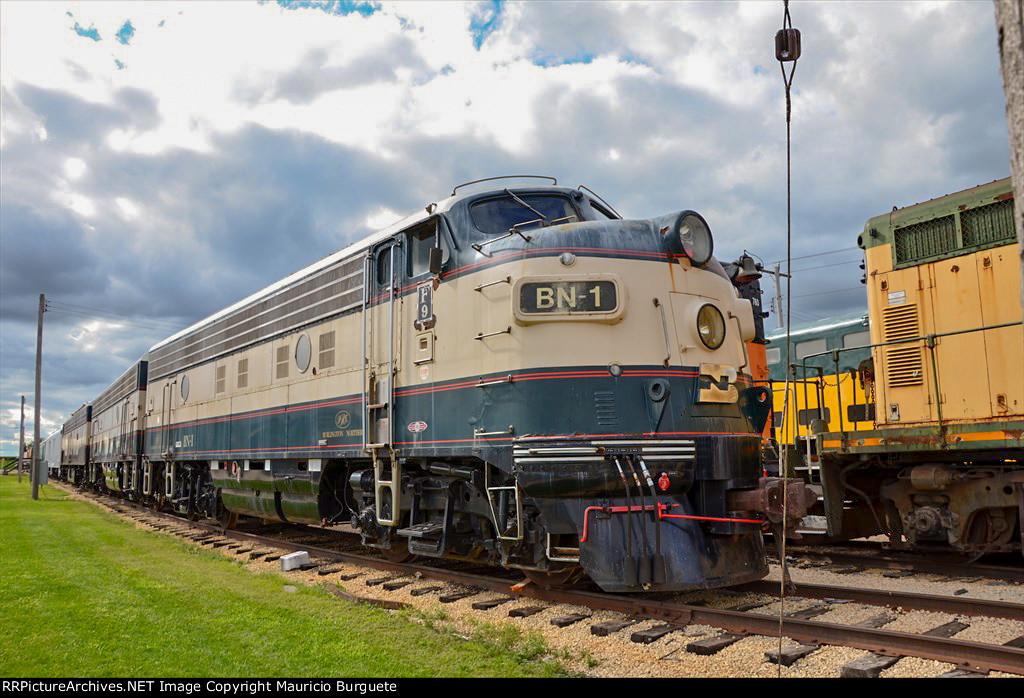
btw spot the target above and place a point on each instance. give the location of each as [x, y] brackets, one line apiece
[293, 561]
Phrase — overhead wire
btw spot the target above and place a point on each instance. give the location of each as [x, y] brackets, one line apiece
[115, 321]
[816, 254]
[71, 307]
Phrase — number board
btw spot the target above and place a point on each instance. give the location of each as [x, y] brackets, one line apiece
[588, 296]
[424, 306]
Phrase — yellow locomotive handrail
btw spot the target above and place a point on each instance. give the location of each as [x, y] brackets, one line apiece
[928, 339]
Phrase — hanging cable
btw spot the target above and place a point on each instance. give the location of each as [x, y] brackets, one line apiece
[787, 50]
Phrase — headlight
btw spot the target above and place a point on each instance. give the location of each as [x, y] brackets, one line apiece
[695, 237]
[711, 326]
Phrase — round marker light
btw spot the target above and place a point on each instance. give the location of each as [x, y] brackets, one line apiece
[710, 326]
[615, 369]
[695, 238]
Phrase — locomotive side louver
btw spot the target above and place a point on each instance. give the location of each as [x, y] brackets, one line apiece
[903, 365]
[326, 350]
[282, 362]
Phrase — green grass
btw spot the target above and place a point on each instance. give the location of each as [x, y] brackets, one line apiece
[83, 593]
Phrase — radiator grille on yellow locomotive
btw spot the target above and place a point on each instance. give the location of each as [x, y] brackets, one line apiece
[903, 365]
[926, 239]
[990, 223]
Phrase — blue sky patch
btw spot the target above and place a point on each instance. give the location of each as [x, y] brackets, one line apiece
[126, 32]
[90, 33]
[483, 24]
[551, 61]
[333, 7]
[119, 64]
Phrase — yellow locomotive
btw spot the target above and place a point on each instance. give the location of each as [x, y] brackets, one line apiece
[944, 462]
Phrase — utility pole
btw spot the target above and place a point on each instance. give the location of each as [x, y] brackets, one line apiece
[21, 440]
[39, 377]
[779, 276]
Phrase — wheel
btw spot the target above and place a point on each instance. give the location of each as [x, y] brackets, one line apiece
[229, 519]
[396, 554]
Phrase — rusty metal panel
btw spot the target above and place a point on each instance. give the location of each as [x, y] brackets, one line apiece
[962, 373]
[999, 283]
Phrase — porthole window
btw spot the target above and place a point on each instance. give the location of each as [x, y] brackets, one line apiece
[303, 351]
[184, 388]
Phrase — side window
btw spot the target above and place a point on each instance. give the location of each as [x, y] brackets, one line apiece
[856, 339]
[773, 356]
[804, 349]
[806, 416]
[601, 211]
[422, 239]
[384, 266]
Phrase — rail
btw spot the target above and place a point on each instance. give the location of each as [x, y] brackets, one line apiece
[964, 653]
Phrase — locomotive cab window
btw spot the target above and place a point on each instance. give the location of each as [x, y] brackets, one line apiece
[422, 239]
[501, 214]
[384, 266]
[601, 212]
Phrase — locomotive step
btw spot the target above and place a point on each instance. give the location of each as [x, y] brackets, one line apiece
[429, 529]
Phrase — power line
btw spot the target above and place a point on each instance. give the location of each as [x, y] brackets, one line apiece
[825, 266]
[101, 311]
[112, 315]
[118, 321]
[834, 290]
[817, 254]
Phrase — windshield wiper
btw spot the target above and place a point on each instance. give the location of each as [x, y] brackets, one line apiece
[543, 218]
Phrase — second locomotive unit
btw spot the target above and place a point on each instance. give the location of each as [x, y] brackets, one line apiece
[514, 375]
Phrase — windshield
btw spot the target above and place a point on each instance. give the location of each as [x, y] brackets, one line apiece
[499, 215]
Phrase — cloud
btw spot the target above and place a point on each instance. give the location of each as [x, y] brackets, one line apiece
[152, 180]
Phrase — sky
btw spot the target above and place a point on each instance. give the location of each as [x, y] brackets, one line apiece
[159, 161]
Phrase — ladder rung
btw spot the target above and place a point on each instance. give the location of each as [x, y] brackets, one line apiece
[375, 445]
[377, 406]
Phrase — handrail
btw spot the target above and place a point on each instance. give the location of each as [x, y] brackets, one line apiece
[554, 182]
[928, 339]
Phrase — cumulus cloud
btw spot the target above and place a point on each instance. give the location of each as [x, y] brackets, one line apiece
[162, 160]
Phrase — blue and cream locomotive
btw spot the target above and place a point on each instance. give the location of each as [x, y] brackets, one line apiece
[512, 375]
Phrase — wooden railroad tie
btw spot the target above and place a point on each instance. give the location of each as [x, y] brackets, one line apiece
[571, 619]
[609, 627]
[490, 603]
[793, 653]
[526, 611]
[872, 665]
[458, 596]
[646, 637]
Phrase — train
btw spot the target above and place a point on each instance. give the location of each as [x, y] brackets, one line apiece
[513, 375]
[814, 402]
[917, 434]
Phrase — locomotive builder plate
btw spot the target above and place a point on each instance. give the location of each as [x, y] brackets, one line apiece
[596, 297]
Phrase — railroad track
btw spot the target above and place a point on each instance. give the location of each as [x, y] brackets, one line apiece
[886, 646]
[861, 555]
